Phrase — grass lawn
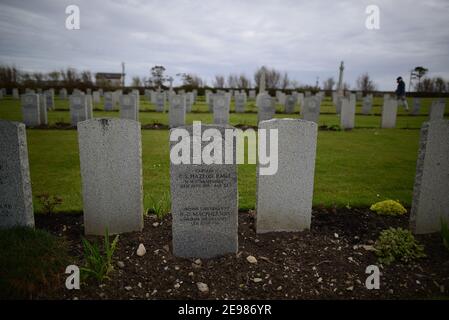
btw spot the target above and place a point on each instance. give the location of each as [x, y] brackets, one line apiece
[355, 168]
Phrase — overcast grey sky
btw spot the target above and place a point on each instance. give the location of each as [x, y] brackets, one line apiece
[307, 39]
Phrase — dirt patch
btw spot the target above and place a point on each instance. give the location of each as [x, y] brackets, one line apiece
[326, 262]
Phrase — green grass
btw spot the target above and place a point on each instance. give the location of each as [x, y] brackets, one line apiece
[31, 262]
[358, 167]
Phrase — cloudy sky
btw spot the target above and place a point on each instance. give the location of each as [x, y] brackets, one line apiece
[307, 39]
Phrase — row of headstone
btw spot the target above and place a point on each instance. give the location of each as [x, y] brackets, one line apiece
[205, 196]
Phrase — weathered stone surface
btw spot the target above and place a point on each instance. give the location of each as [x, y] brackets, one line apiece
[347, 116]
[78, 108]
[221, 109]
[430, 193]
[111, 171]
[389, 113]
[30, 109]
[128, 107]
[159, 101]
[89, 106]
[43, 110]
[16, 201]
[265, 107]
[240, 102]
[311, 109]
[96, 97]
[290, 102]
[177, 111]
[204, 201]
[367, 105]
[437, 110]
[284, 200]
[416, 107]
[108, 101]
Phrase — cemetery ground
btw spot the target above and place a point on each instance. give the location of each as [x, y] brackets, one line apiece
[354, 169]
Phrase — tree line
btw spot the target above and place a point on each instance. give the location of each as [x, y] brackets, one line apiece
[11, 76]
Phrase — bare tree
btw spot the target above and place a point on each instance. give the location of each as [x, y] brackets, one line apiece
[191, 80]
[440, 85]
[243, 82]
[219, 81]
[426, 85]
[135, 82]
[86, 78]
[365, 84]
[233, 80]
[272, 77]
[9, 76]
[285, 83]
[328, 84]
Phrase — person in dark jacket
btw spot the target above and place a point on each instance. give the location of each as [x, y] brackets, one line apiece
[400, 92]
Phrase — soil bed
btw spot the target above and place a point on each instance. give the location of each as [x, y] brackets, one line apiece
[327, 262]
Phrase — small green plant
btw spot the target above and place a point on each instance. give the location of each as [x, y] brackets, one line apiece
[49, 202]
[98, 264]
[398, 244]
[389, 208]
[445, 233]
[160, 207]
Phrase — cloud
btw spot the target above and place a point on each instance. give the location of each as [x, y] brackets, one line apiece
[307, 39]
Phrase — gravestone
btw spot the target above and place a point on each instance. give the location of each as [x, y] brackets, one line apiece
[311, 109]
[307, 94]
[437, 110]
[177, 111]
[16, 200]
[50, 98]
[221, 109]
[189, 101]
[240, 102]
[159, 101]
[108, 101]
[128, 107]
[284, 199]
[290, 102]
[359, 95]
[15, 93]
[78, 108]
[63, 94]
[204, 199]
[101, 92]
[111, 173]
[389, 113]
[347, 116]
[30, 109]
[265, 107]
[89, 106]
[96, 97]
[88, 91]
[367, 104]
[252, 94]
[43, 109]
[430, 193]
[338, 104]
[416, 107]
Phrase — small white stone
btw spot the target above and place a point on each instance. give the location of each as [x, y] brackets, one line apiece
[155, 224]
[190, 274]
[141, 250]
[350, 288]
[336, 235]
[177, 286]
[198, 262]
[202, 287]
[128, 288]
[120, 264]
[279, 288]
[256, 280]
[251, 259]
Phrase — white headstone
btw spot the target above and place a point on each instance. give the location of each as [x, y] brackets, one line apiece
[16, 200]
[389, 112]
[43, 109]
[177, 111]
[311, 109]
[31, 110]
[437, 110]
[284, 199]
[128, 107]
[347, 116]
[265, 107]
[430, 193]
[111, 171]
[221, 109]
[78, 108]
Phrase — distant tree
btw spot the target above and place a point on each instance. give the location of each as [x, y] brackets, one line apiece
[243, 82]
[285, 82]
[219, 82]
[70, 77]
[418, 73]
[38, 78]
[440, 85]
[54, 77]
[157, 76]
[328, 84]
[191, 80]
[272, 77]
[86, 78]
[365, 84]
[135, 82]
[9, 76]
[232, 81]
[426, 85]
